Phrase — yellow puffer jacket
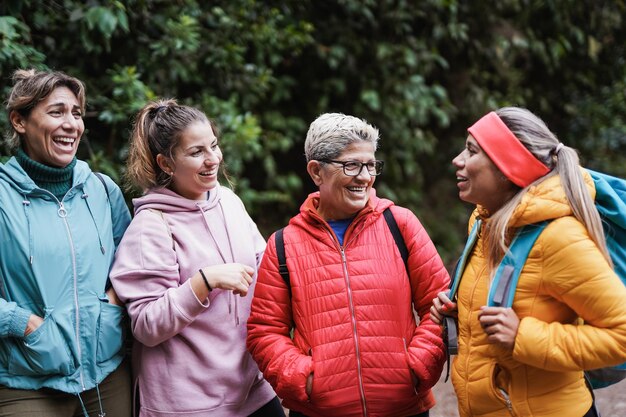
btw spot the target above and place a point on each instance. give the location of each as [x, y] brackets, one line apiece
[565, 279]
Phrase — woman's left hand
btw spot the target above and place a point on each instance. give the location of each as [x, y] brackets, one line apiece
[500, 324]
[113, 298]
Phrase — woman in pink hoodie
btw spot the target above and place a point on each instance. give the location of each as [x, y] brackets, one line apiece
[186, 270]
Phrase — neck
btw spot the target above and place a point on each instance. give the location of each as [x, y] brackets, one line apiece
[56, 180]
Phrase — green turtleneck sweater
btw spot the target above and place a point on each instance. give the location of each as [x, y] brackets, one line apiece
[56, 180]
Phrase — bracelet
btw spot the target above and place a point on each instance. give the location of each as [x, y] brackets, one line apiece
[206, 282]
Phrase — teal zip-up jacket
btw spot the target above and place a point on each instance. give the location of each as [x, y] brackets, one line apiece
[55, 258]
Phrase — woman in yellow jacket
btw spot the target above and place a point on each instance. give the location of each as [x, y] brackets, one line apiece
[569, 310]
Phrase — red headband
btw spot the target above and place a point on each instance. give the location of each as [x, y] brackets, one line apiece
[506, 151]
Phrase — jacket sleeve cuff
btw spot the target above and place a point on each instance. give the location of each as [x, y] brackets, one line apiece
[19, 321]
[188, 303]
[529, 342]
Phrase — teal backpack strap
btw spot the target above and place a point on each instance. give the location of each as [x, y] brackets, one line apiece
[460, 265]
[450, 330]
[502, 290]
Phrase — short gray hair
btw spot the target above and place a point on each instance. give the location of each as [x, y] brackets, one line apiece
[331, 133]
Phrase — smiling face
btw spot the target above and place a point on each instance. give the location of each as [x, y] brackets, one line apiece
[52, 130]
[195, 162]
[342, 196]
[479, 180]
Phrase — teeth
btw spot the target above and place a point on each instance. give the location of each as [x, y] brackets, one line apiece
[356, 188]
[64, 140]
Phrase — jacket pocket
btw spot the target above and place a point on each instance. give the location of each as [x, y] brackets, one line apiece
[111, 331]
[414, 379]
[43, 352]
[500, 383]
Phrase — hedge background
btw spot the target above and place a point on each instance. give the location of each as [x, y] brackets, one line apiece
[421, 71]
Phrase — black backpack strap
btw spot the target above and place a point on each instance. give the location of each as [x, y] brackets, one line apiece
[397, 237]
[108, 284]
[104, 184]
[282, 259]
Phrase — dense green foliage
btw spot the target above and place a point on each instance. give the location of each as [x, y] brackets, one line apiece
[420, 71]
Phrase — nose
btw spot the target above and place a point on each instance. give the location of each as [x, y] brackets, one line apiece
[364, 173]
[70, 122]
[459, 160]
[211, 157]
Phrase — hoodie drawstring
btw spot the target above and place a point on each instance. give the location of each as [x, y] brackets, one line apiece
[85, 197]
[102, 413]
[26, 205]
[82, 404]
[232, 256]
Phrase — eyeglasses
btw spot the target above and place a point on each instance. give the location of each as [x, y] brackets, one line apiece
[354, 168]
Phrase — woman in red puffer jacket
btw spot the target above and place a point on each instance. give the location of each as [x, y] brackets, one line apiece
[357, 349]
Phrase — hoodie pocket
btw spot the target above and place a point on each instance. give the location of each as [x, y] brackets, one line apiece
[111, 331]
[43, 352]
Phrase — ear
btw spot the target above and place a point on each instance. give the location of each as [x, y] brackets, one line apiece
[314, 168]
[165, 164]
[17, 121]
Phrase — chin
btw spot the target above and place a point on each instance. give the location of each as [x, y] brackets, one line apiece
[59, 163]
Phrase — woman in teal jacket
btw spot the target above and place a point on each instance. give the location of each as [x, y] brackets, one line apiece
[61, 333]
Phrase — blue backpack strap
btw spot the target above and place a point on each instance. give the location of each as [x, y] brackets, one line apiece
[460, 265]
[449, 323]
[502, 290]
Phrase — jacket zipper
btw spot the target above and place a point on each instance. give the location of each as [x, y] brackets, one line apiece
[62, 213]
[354, 332]
[469, 328]
[507, 401]
[352, 314]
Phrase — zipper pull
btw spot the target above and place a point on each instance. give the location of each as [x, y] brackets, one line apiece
[61, 211]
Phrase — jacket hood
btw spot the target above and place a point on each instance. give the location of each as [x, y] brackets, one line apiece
[544, 201]
[13, 173]
[168, 201]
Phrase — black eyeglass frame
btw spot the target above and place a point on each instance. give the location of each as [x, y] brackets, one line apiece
[378, 166]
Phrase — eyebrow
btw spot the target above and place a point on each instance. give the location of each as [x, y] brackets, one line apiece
[62, 104]
[472, 143]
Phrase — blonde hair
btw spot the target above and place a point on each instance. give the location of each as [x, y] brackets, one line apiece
[157, 130]
[31, 87]
[331, 133]
[563, 161]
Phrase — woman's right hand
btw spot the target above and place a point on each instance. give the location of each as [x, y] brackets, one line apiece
[33, 324]
[235, 277]
[442, 306]
[309, 384]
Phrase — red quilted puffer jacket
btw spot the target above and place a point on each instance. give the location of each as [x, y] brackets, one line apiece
[352, 311]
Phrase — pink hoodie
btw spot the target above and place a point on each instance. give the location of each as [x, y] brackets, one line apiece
[190, 355]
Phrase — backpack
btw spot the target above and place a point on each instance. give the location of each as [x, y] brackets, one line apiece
[611, 204]
[393, 228]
